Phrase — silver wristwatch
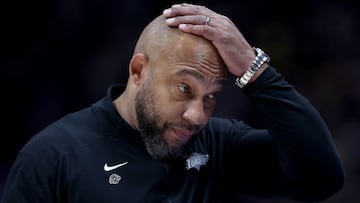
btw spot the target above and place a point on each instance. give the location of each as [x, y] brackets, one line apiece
[260, 59]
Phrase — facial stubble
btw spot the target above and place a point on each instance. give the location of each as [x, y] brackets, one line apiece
[152, 126]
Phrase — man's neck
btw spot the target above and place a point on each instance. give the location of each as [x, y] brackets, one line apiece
[125, 106]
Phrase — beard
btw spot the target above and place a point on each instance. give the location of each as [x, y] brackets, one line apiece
[152, 127]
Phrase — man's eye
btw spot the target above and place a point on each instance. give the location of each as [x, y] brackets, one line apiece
[184, 88]
[209, 101]
[211, 97]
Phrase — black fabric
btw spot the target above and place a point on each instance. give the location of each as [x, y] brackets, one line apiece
[293, 157]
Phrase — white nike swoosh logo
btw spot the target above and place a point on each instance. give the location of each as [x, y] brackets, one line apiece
[109, 168]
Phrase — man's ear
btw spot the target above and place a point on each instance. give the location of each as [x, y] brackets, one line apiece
[137, 67]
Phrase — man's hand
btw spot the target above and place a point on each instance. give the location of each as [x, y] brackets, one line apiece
[220, 30]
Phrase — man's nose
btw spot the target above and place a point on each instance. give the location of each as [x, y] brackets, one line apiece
[195, 113]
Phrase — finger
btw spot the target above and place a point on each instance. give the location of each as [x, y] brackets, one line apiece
[204, 31]
[184, 4]
[187, 9]
[189, 19]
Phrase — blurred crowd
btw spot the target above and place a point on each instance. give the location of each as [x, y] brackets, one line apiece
[60, 56]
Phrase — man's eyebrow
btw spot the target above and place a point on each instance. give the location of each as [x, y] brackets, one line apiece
[197, 75]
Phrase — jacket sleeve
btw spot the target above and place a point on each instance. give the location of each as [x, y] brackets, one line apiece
[304, 158]
[26, 183]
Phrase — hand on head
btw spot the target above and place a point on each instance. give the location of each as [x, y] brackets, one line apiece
[219, 29]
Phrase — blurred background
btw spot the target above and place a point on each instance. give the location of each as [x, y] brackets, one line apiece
[60, 56]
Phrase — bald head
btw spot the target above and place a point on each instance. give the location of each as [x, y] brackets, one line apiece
[174, 78]
[158, 40]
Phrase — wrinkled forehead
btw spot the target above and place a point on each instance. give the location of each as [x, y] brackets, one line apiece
[198, 54]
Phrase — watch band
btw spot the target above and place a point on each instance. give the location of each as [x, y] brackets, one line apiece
[260, 59]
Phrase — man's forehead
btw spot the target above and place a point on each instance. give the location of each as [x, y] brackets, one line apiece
[219, 79]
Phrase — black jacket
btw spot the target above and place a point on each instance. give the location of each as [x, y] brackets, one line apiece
[76, 158]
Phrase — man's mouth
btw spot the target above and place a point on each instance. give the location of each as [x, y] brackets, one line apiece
[183, 134]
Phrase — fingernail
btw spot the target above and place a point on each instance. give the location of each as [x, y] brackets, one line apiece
[170, 20]
[167, 11]
[182, 26]
[176, 5]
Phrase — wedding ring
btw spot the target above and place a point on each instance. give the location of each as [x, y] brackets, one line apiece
[207, 20]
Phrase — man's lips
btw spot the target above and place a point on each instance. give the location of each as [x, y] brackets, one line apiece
[183, 134]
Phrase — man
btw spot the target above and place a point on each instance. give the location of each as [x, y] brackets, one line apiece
[155, 140]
